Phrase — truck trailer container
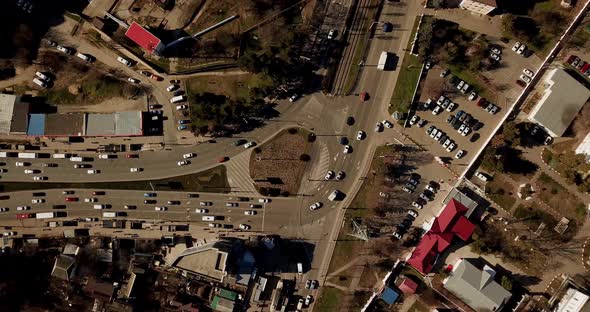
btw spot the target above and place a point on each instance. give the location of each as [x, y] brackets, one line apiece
[382, 60]
[61, 156]
[45, 215]
[77, 158]
[27, 155]
[109, 214]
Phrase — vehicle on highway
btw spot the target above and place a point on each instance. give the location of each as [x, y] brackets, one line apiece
[81, 166]
[347, 149]
[99, 207]
[131, 156]
[90, 219]
[189, 155]
[149, 201]
[39, 178]
[250, 212]
[37, 201]
[329, 175]
[133, 80]
[72, 199]
[160, 208]
[98, 193]
[90, 200]
[174, 202]
[135, 169]
[28, 171]
[201, 210]
[183, 163]
[150, 194]
[49, 165]
[130, 207]
[192, 195]
[22, 164]
[264, 200]
[93, 171]
[249, 144]
[205, 203]
[214, 225]
[255, 206]
[340, 175]
[4, 209]
[22, 208]
[315, 206]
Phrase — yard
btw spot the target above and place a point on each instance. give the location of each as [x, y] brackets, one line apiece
[91, 90]
[559, 198]
[329, 299]
[501, 191]
[277, 166]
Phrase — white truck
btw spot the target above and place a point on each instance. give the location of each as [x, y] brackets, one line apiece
[61, 156]
[45, 215]
[40, 83]
[178, 99]
[3, 154]
[109, 214]
[382, 60]
[334, 195]
[27, 155]
[76, 158]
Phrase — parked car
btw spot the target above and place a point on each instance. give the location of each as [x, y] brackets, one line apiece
[472, 96]
[460, 154]
[516, 46]
[315, 206]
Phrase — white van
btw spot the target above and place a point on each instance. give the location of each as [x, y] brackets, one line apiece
[334, 195]
[109, 214]
[40, 83]
[124, 61]
[178, 99]
[42, 76]
[105, 156]
[76, 158]
[84, 57]
[61, 156]
[208, 218]
[100, 206]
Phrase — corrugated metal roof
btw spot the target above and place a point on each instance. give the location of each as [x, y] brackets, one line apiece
[6, 109]
[36, 125]
[64, 124]
[128, 123]
[100, 125]
[20, 118]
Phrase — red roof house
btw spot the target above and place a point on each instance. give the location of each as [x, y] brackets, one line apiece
[408, 286]
[144, 38]
[450, 223]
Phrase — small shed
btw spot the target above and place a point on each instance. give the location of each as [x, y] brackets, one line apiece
[389, 295]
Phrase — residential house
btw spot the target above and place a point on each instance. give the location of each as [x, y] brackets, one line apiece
[483, 7]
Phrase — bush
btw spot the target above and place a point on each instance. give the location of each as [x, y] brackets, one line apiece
[292, 130]
[305, 157]
[257, 150]
[263, 191]
[285, 193]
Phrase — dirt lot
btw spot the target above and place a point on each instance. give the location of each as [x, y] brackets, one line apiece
[108, 106]
[279, 164]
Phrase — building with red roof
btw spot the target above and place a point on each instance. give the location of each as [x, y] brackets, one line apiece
[408, 286]
[144, 38]
[450, 223]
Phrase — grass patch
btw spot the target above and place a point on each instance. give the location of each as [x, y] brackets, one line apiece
[234, 86]
[501, 192]
[92, 90]
[533, 217]
[329, 299]
[211, 180]
[560, 199]
[409, 74]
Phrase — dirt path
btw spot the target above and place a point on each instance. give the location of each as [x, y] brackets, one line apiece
[108, 106]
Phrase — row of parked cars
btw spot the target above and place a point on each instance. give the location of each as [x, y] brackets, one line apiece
[579, 64]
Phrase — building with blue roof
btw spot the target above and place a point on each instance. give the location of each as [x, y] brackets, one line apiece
[36, 125]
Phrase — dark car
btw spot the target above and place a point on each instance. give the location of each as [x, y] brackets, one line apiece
[474, 137]
[59, 207]
[350, 121]
[482, 102]
[240, 142]
[193, 195]
[521, 83]
[387, 27]
[178, 93]
[149, 201]
[343, 140]
[478, 125]
[98, 193]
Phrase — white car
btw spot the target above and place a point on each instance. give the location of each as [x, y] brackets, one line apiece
[214, 225]
[360, 135]
[293, 98]
[181, 107]
[205, 203]
[90, 219]
[481, 176]
[472, 96]
[347, 149]
[465, 88]
[244, 227]
[451, 107]
[521, 49]
[249, 144]
[90, 200]
[189, 155]
[4, 209]
[447, 142]
[451, 147]
[315, 206]
[528, 72]
[264, 200]
[417, 205]
[331, 34]
[461, 128]
[183, 163]
[414, 119]
[171, 88]
[413, 213]
[22, 208]
[440, 100]
[20, 164]
[37, 201]
[378, 127]
[329, 175]
[250, 212]
[436, 110]
[516, 46]
[201, 210]
[65, 49]
[438, 135]
[525, 78]
[160, 208]
[434, 133]
[387, 124]
[460, 85]
[135, 169]
[466, 131]
[495, 57]
[93, 171]
[460, 154]
[11, 233]
[124, 61]
[396, 235]
[496, 51]
[130, 207]
[28, 171]
[132, 80]
[39, 178]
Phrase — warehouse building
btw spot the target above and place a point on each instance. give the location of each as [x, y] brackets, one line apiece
[85, 125]
[13, 114]
[116, 124]
[64, 125]
[563, 98]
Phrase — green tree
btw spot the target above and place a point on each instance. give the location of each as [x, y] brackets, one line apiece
[511, 134]
[506, 283]
[251, 62]
[508, 24]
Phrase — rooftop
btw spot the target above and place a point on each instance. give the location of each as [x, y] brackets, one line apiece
[63, 267]
[572, 301]
[563, 98]
[36, 125]
[20, 118]
[143, 38]
[65, 124]
[6, 109]
[208, 260]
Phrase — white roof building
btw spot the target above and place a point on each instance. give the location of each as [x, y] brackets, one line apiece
[483, 7]
[572, 301]
[563, 98]
[584, 147]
